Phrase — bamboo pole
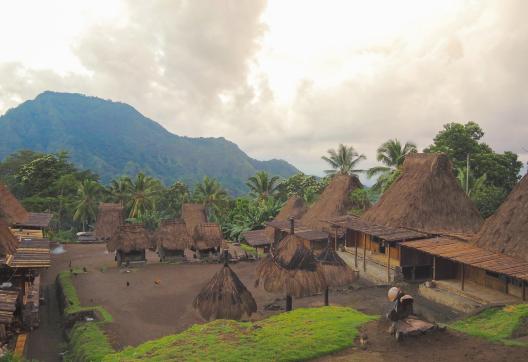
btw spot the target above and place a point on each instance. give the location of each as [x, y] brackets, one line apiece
[388, 263]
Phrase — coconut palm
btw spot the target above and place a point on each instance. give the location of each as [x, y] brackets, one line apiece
[344, 161]
[262, 185]
[143, 192]
[120, 189]
[210, 193]
[392, 155]
[87, 201]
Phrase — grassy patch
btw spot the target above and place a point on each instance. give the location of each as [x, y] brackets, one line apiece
[299, 335]
[496, 325]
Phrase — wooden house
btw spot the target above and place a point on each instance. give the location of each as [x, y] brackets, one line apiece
[129, 243]
[206, 237]
[171, 240]
[109, 219]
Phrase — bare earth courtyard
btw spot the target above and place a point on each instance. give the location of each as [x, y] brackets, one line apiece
[158, 302]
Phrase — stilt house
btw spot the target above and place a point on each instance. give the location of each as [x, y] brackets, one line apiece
[171, 240]
[109, 219]
[129, 243]
[206, 237]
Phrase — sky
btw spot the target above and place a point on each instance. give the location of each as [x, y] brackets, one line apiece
[282, 78]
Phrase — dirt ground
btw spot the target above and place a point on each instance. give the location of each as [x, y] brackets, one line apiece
[158, 302]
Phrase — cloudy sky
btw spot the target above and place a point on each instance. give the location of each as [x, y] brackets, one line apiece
[282, 79]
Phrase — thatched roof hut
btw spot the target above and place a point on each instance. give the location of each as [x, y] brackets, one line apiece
[337, 273]
[426, 197]
[506, 231]
[291, 269]
[206, 236]
[172, 235]
[11, 210]
[334, 201]
[8, 242]
[109, 219]
[193, 215]
[294, 207]
[129, 237]
[225, 297]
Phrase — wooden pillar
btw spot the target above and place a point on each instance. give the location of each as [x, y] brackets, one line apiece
[413, 274]
[256, 252]
[388, 263]
[461, 276]
[523, 290]
[289, 303]
[364, 253]
[355, 247]
[335, 239]
[434, 267]
[506, 284]
[326, 297]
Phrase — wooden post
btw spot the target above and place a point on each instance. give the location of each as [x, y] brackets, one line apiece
[506, 284]
[355, 247]
[434, 267]
[413, 276]
[289, 303]
[523, 290]
[326, 296]
[388, 263]
[256, 252]
[462, 276]
[364, 253]
[335, 239]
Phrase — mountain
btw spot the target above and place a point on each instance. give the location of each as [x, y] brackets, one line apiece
[114, 139]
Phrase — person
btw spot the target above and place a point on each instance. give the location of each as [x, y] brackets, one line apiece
[402, 307]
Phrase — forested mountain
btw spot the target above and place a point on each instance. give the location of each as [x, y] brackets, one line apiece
[113, 139]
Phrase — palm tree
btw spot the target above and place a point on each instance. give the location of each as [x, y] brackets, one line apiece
[143, 192]
[343, 161]
[471, 184]
[120, 189]
[210, 193]
[392, 155]
[262, 185]
[87, 202]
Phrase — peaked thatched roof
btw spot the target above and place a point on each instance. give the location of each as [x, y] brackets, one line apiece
[11, 210]
[426, 197]
[8, 242]
[172, 235]
[294, 207]
[109, 218]
[292, 269]
[129, 237]
[225, 297]
[333, 202]
[193, 215]
[337, 273]
[506, 231]
[207, 236]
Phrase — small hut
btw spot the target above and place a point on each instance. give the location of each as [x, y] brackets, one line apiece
[291, 269]
[129, 242]
[206, 237]
[225, 297]
[171, 240]
[334, 201]
[336, 272]
[109, 219]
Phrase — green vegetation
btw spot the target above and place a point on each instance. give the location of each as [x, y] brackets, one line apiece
[298, 335]
[497, 324]
[343, 161]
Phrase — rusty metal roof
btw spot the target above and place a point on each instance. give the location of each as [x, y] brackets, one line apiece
[386, 233]
[472, 255]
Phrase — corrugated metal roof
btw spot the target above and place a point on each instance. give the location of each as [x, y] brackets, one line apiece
[472, 255]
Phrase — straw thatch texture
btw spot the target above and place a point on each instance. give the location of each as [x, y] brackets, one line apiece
[109, 219]
[207, 236]
[11, 210]
[337, 273]
[129, 237]
[426, 197]
[292, 270]
[225, 297]
[295, 207]
[8, 242]
[193, 215]
[172, 235]
[506, 231]
[334, 201]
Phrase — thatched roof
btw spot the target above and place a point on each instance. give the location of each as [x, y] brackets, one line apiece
[129, 237]
[426, 197]
[207, 236]
[506, 231]
[291, 269]
[294, 207]
[193, 215]
[334, 201]
[172, 235]
[225, 297]
[337, 273]
[8, 242]
[109, 218]
[11, 210]
[39, 220]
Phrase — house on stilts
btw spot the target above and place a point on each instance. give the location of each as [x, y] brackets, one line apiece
[171, 240]
[205, 237]
[129, 243]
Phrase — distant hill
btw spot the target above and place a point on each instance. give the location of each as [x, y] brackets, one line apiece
[114, 139]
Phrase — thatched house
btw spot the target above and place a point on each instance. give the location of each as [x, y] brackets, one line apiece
[129, 243]
[109, 219]
[291, 269]
[171, 240]
[225, 297]
[8, 242]
[336, 272]
[206, 237]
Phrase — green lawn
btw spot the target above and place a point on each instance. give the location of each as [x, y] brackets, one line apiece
[299, 335]
[497, 324]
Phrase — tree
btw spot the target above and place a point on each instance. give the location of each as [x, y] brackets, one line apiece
[87, 202]
[143, 192]
[470, 184]
[120, 190]
[343, 161]
[173, 199]
[262, 185]
[210, 193]
[392, 155]
[303, 186]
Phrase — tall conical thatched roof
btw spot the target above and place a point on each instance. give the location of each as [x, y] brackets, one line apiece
[506, 231]
[193, 215]
[172, 235]
[11, 210]
[426, 197]
[292, 269]
[225, 297]
[294, 207]
[8, 242]
[129, 237]
[337, 273]
[207, 236]
[334, 201]
[109, 218]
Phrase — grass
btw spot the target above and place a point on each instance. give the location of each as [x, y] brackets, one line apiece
[496, 324]
[299, 335]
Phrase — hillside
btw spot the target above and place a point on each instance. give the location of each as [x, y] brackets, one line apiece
[114, 139]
